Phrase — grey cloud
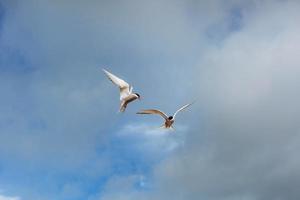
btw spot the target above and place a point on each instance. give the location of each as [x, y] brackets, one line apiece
[59, 112]
[246, 141]
[251, 122]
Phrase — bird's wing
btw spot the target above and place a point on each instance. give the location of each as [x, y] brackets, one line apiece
[130, 89]
[182, 108]
[153, 111]
[125, 88]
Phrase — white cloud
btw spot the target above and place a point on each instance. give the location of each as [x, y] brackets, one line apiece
[2, 197]
[154, 140]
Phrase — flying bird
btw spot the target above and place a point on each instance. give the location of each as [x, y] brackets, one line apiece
[169, 120]
[126, 94]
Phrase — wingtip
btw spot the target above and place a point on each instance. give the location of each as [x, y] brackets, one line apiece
[189, 104]
[107, 73]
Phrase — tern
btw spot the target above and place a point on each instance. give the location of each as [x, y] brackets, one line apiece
[126, 94]
[169, 120]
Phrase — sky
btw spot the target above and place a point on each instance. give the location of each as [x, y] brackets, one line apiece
[62, 138]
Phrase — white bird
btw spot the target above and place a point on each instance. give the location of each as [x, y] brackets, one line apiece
[126, 94]
[169, 120]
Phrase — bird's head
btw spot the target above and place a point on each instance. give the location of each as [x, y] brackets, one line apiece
[138, 96]
[170, 118]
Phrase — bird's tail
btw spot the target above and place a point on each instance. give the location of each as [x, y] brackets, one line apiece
[163, 126]
[123, 107]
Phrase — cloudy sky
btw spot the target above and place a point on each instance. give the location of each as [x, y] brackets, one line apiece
[62, 138]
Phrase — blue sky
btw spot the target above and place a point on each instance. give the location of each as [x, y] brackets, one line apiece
[62, 138]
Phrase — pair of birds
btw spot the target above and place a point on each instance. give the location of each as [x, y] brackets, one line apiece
[127, 95]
